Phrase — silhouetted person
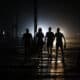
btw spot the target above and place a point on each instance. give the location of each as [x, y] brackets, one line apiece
[59, 43]
[50, 39]
[39, 39]
[27, 37]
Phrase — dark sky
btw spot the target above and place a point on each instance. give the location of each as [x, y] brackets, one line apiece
[7, 12]
[55, 13]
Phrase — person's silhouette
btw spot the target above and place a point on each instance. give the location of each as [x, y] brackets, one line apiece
[39, 39]
[50, 39]
[27, 37]
[59, 43]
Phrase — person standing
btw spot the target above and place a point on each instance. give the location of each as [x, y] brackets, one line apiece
[59, 43]
[27, 37]
[39, 40]
[50, 39]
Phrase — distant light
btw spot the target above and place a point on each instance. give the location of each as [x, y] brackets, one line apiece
[3, 32]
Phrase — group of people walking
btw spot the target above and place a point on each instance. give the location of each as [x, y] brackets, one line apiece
[40, 40]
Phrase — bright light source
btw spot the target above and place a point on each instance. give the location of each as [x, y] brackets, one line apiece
[59, 61]
[54, 43]
[3, 32]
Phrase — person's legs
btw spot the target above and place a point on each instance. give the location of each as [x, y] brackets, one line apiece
[48, 47]
[41, 53]
[51, 52]
[38, 51]
[56, 55]
[61, 46]
[48, 50]
[26, 54]
[51, 49]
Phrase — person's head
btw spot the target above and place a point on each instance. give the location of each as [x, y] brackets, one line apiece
[27, 30]
[58, 29]
[39, 30]
[49, 29]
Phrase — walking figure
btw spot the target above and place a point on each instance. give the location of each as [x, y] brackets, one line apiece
[50, 39]
[39, 40]
[27, 37]
[59, 43]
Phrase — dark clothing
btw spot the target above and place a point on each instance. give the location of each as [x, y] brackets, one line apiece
[59, 36]
[50, 38]
[39, 37]
[39, 41]
[59, 43]
[27, 37]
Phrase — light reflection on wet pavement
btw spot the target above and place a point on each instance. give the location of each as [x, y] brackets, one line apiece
[45, 69]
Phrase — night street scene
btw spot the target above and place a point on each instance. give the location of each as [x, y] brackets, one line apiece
[40, 40]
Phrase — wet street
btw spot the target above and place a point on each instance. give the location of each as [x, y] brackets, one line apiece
[46, 68]
[37, 68]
